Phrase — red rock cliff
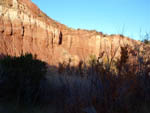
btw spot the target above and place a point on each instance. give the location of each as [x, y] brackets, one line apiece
[24, 28]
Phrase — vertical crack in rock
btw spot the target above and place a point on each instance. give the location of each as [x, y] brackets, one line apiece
[47, 37]
[60, 38]
[70, 43]
[3, 31]
[23, 30]
[2, 25]
[11, 26]
[53, 41]
[100, 47]
[11, 32]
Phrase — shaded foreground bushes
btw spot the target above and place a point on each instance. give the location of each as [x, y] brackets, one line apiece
[120, 86]
[123, 90]
[20, 78]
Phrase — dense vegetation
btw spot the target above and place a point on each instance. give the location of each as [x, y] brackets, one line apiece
[20, 78]
[103, 86]
[123, 89]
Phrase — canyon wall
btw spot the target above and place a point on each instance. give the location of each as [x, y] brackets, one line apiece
[24, 28]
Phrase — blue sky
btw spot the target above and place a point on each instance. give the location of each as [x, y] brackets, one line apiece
[128, 17]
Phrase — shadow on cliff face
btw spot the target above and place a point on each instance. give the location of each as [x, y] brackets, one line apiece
[28, 85]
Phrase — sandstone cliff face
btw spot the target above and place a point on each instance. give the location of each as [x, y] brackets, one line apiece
[24, 28]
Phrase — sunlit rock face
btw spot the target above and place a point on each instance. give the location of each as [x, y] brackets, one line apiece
[24, 28]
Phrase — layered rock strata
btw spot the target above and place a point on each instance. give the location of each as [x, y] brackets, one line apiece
[24, 28]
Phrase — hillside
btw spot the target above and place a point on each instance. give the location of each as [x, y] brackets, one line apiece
[47, 67]
[24, 28]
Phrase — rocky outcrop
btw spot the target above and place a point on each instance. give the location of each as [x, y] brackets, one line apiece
[24, 28]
